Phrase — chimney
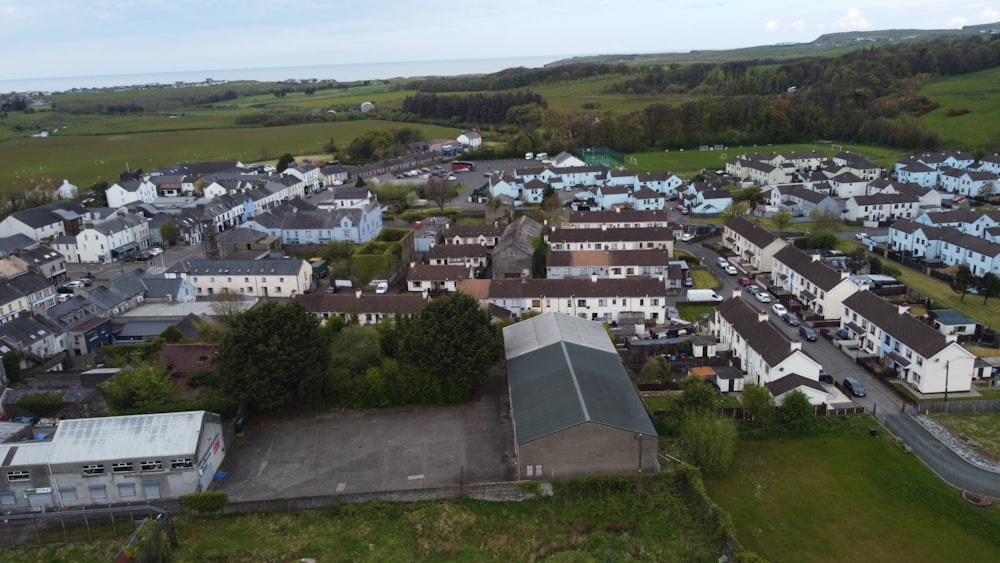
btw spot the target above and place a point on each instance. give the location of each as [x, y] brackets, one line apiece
[903, 309]
[604, 226]
[357, 294]
[796, 345]
[762, 315]
[593, 278]
[815, 257]
[736, 293]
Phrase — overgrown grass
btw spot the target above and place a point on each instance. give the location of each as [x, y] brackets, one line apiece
[704, 278]
[982, 428]
[846, 496]
[695, 312]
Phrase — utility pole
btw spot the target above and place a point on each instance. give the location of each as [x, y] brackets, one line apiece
[638, 483]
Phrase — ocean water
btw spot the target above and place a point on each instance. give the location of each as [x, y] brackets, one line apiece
[338, 72]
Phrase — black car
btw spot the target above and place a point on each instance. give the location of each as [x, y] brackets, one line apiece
[854, 387]
[807, 333]
[791, 319]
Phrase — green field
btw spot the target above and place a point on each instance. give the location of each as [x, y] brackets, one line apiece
[84, 160]
[849, 497]
[977, 92]
[983, 428]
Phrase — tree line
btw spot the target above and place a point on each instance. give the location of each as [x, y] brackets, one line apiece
[471, 108]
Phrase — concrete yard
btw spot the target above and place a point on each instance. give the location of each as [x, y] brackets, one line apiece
[387, 450]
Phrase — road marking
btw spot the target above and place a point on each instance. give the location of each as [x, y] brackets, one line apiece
[415, 477]
[341, 487]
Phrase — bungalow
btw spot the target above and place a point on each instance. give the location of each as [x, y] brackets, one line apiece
[366, 309]
[469, 255]
[603, 300]
[485, 235]
[800, 201]
[618, 218]
[924, 358]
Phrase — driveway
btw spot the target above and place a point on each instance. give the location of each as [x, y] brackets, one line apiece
[386, 450]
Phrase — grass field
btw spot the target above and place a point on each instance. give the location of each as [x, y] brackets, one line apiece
[977, 92]
[944, 298]
[849, 497]
[983, 428]
[84, 160]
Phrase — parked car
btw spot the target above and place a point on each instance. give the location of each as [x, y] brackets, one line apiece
[87, 281]
[861, 236]
[686, 237]
[722, 262]
[680, 207]
[156, 251]
[753, 289]
[744, 281]
[381, 287]
[76, 284]
[672, 313]
[792, 320]
[854, 387]
[731, 270]
[807, 333]
[763, 297]
[779, 309]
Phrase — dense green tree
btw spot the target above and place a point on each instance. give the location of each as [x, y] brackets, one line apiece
[796, 413]
[655, 369]
[963, 281]
[144, 388]
[758, 405]
[169, 232]
[453, 339]
[284, 162]
[709, 441]
[12, 366]
[754, 196]
[697, 394]
[356, 348]
[42, 405]
[273, 355]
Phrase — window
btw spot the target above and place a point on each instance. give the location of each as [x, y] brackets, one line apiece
[67, 493]
[126, 489]
[151, 465]
[93, 469]
[581, 302]
[181, 463]
[98, 492]
[7, 497]
[151, 489]
[15, 476]
[655, 302]
[126, 467]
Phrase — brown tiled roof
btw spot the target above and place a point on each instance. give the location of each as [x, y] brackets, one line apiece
[618, 216]
[445, 251]
[757, 235]
[916, 335]
[343, 303]
[428, 272]
[578, 287]
[825, 277]
[791, 381]
[185, 358]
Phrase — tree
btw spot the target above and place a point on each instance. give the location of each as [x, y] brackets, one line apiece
[709, 441]
[734, 209]
[144, 388]
[796, 413]
[42, 405]
[697, 394]
[754, 196]
[453, 339]
[758, 404]
[169, 232]
[655, 369]
[227, 305]
[963, 281]
[283, 162]
[272, 355]
[439, 191]
[988, 285]
[12, 366]
[781, 220]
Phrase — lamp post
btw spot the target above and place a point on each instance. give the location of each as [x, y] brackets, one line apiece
[638, 483]
[946, 366]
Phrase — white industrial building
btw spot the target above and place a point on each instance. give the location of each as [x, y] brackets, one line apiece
[113, 460]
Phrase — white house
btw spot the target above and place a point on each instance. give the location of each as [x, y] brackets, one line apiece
[471, 140]
[882, 207]
[819, 288]
[753, 245]
[595, 299]
[106, 241]
[269, 277]
[132, 190]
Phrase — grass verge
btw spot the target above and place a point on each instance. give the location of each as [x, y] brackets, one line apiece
[980, 427]
[846, 496]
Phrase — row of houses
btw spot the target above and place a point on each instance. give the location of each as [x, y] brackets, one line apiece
[957, 173]
[897, 339]
[956, 237]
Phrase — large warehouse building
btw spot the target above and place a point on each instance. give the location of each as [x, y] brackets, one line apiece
[113, 459]
[574, 408]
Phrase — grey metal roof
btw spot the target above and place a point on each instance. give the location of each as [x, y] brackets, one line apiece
[281, 266]
[561, 374]
[147, 436]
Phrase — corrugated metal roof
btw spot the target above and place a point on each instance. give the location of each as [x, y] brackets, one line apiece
[564, 371]
[26, 453]
[153, 436]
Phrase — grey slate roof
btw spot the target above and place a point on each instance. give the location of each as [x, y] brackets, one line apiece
[16, 242]
[791, 381]
[562, 374]
[280, 266]
[757, 235]
[916, 335]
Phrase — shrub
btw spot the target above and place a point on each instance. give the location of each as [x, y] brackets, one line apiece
[207, 501]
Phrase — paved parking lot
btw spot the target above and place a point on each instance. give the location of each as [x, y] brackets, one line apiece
[354, 452]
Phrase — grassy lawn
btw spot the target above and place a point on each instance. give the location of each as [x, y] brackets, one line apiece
[849, 497]
[983, 428]
[704, 278]
[695, 312]
[976, 92]
[944, 298]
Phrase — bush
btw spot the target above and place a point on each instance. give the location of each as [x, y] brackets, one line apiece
[207, 501]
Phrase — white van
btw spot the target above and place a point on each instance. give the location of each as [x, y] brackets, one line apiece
[529, 155]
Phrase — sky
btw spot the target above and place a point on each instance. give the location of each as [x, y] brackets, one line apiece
[60, 38]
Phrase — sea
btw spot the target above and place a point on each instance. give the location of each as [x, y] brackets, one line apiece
[337, 72]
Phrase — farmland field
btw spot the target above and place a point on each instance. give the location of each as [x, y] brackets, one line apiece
[977, 92]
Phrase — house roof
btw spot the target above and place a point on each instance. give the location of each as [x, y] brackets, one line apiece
[186, 357]
[916, 335]
[564, 371]
[618, 216]
[620, 234]
[792, 381]
[43, 215]
[583, 258]
[577, 287]
[757, 235]
[825, 277]
[446, 251]
[344, 303]
[146, 436]
[432, 273]
[518, 235]
[263, 267]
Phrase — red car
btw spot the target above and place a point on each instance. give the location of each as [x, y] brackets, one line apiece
[744, 281]
[680, 207]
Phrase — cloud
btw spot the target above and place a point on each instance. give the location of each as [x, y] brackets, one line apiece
[799, 25]
[854, 19]
[771, 26]
[989, 14]
[957, 21]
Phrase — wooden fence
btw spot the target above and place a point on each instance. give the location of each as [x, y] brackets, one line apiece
[958, 407]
